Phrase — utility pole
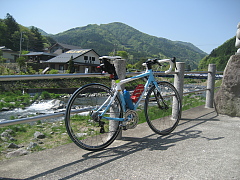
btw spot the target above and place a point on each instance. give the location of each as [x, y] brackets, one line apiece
[20, 52]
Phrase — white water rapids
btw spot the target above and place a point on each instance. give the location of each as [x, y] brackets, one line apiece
[42, 107]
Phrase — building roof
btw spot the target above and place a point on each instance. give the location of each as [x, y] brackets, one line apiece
[4, 49]
[66, 46]
[65, 57]
[39, 54]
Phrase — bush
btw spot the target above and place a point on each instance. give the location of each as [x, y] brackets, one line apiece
[53, 71]
[45, 95]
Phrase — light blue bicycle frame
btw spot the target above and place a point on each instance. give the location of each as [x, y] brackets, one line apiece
[118, 92]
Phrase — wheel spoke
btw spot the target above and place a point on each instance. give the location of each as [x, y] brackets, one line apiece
[163, 113]
[86, 128]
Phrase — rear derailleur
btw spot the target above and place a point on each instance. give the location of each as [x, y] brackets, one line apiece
[96, 118]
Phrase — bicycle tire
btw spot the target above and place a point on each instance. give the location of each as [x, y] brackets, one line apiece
[85, 131]
[158, 108]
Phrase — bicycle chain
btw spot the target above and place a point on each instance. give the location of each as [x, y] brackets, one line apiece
[131, 119]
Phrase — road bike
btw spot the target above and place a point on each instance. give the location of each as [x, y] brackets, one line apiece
[95, 113]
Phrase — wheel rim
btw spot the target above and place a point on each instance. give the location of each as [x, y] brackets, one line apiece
[163, 114]
[86, 130]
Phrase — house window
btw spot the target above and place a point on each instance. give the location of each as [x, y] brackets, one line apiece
[85, 58]
[93, 58]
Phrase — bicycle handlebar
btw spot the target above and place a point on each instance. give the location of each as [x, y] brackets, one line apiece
[171, 61]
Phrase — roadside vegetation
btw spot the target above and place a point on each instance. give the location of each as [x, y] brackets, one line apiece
[17, 99]
[55, 132]
[22, 135]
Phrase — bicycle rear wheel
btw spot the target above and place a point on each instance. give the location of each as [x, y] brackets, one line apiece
[83, 124]
[163, 109]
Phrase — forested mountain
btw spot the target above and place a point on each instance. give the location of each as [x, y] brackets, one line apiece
[32, 39]
[191, 46]
[220, 55]
[41, 31]
[106, 38]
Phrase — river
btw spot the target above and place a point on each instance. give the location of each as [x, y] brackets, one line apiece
[53, 106]
[37, 108]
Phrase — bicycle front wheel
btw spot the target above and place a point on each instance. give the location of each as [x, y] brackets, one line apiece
[83, 123]
[162, 109]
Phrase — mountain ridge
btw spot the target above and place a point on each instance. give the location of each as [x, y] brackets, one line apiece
[220, 55]
[105, 38]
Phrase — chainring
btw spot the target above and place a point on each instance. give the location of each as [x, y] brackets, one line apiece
[131, 119]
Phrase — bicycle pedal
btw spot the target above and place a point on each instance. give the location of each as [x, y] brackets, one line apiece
[123, 127]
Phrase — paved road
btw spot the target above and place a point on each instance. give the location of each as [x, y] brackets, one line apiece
[204, 146]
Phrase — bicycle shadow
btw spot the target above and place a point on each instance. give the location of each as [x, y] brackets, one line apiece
[131, 145]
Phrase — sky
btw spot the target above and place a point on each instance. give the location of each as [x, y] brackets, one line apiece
[205, 23]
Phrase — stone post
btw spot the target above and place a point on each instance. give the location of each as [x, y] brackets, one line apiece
[178, 83]
[120, 66]
[210, 85]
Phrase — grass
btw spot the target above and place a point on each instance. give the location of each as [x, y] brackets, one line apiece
[189, 101]
[23, 134]
[55, 132]
[15, 99]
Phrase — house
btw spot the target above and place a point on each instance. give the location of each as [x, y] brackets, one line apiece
[39, 57]
[60, 48]
[8, 54]
[85, 60]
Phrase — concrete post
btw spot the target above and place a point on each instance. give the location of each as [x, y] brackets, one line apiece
[210, 85]
[179, 78]
[178, 84]
[120, 66]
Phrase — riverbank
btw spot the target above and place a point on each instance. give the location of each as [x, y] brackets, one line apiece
[17, 99]
[22, 139]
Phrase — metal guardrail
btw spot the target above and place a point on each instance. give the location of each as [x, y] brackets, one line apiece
[48, 76]
[77, 75]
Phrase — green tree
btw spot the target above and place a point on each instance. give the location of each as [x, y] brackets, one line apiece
[21, 63]
[3, 31]
[123, 54]
[12, 33]
[71, 67]
[37, 42]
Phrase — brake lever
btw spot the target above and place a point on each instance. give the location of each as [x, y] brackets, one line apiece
[174, 62]
[159, 63]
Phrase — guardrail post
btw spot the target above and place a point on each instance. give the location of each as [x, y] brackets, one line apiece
[210, 85]
[179, 78]
[120, 66]
[178, 84]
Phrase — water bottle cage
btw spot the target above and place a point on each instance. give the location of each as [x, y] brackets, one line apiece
[108, 67]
